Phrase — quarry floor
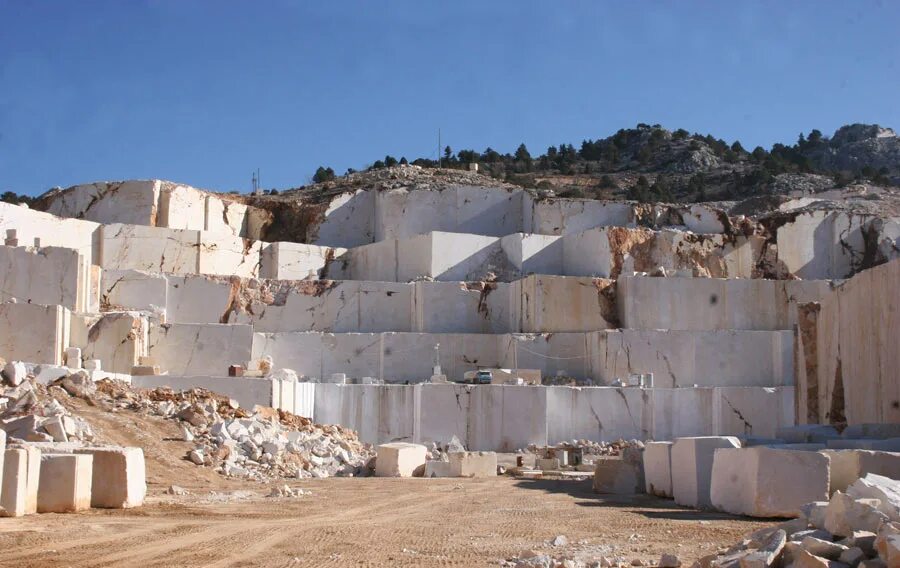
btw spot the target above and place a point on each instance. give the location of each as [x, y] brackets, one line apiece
[349, 521]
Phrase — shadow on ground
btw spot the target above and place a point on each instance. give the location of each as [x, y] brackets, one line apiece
[646, 505]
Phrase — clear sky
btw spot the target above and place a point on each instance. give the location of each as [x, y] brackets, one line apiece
[204, 92]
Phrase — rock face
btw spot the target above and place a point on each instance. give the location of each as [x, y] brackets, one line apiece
[856, 146]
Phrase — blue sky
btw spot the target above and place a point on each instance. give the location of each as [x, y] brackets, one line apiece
[205, 92]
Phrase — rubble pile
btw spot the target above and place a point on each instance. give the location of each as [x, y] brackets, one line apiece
[588, 448]
[30, 412]
[396, 177]
[260, 444]
[859, 527]
[582, 555]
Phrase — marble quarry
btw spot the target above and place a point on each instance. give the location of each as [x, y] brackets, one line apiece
[648, 322]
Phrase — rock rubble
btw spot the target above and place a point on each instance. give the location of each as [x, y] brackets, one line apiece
[259, 444]
[858, 528]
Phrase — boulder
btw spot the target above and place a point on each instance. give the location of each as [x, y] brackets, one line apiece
[823, 548]
[845, 515]
[885, 489]
[15, 373]
[803, 559]
[814, 513]
[768, 552]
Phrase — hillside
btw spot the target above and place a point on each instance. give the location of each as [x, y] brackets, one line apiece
[649, 163]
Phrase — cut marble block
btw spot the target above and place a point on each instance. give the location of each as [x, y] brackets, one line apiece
[13, 496]
[32, 478]
[132, 290]
[295, 261]
[658, 468]
[34, 333]
[473, 464]
[119, 477]
[399, 459]
[117, 339]
[617, 476]
[438, 469]
[205, 349]
[65, 483]
[849, 465]
[225, 255]
[152, 249]
[765, 482]
[48, 276]
[692, 462]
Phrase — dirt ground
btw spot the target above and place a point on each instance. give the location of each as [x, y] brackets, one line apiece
[347, 521]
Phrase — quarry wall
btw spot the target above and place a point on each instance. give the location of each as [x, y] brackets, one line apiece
[848, 356]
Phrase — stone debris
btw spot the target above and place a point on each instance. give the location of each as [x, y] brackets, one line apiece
[32, 412]
[575, 555]
[287, 491]
[260, 444]
[852, 531]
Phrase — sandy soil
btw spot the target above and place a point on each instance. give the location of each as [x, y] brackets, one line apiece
[345, 521]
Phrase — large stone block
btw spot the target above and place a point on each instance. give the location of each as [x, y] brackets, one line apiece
[65, 483]
[473, 464]
[692, 462]
[701, 304]
[203, 349]
[399, 459]
[228, 256]
[48, 276]
[123, 290]
[117, 339]
[151, 249]
[119, 477]
[878, 431]
[296, 261]
[849, 465]
[807, 433]
[14, 494]
[564, 303]
[764, 482]
[181, 207]
[32, 478]
[658, 468]
[133, 201]
[704, 358]
[29, 224]
[618, 475]
[34, 333]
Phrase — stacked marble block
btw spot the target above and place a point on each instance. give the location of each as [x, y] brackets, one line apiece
[67, 479]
